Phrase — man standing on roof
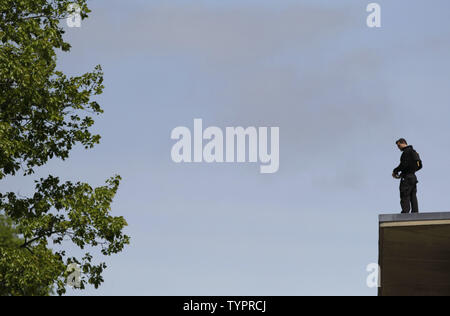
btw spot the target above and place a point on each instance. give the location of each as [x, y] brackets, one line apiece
[409, 163]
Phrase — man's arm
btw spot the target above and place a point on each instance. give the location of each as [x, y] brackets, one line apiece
[402, 165]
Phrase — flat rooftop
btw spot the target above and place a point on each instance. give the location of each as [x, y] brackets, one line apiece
[425, 217]
[414, 254]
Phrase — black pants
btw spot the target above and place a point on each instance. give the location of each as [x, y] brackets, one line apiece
[408, 194]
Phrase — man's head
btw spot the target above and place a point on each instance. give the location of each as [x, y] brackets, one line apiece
[401, 143]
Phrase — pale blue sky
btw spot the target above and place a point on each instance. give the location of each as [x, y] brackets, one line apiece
[341, 94]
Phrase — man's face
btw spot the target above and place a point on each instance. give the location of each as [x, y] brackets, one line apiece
[401, 146]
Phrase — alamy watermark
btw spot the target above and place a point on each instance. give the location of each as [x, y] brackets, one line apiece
[74, 18]
[232, 149]
[74, 277]
[374, 18]
[374, 277]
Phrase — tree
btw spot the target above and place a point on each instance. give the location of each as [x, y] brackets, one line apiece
[43, 115]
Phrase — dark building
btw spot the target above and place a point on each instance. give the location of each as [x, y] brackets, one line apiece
[414, 254]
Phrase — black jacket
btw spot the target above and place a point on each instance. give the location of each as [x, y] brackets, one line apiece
[407, 162]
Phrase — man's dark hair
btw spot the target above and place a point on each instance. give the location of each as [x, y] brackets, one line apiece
[402, 141]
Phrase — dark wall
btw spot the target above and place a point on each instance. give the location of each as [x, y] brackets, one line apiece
[415, 260]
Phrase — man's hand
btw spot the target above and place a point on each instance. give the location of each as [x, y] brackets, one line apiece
[395, 176]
